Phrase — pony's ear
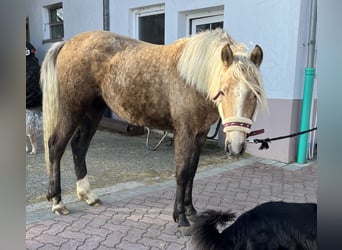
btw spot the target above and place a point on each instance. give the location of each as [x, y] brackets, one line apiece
[256, 55]
[227, 55]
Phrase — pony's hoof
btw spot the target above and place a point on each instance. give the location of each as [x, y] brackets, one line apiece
[192, 217]
[185, 231]
[96, 203]
[90, 199]
[60, 210]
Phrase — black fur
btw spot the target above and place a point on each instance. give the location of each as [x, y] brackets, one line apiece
[269, 226]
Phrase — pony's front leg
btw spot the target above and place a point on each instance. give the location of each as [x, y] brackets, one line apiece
[183, 151]
[190, 210]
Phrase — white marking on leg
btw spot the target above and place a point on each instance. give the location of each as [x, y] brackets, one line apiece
[27, 148]
[34, 143]
[84, 192]
[59, 208]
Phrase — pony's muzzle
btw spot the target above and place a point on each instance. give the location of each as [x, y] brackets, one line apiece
[235, 143]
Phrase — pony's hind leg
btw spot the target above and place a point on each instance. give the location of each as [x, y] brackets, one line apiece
[80, 144]
[57, 143]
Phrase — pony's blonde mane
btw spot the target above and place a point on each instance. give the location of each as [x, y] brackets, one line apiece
[201, 66]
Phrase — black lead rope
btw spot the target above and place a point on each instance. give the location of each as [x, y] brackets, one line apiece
[264, 142]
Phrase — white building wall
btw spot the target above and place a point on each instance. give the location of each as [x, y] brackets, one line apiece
[277, 26]
[79, 16]
[82, 15]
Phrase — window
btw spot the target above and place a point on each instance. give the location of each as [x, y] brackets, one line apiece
[150, 24]
[151, 28]
[54, 23]
[206, 23]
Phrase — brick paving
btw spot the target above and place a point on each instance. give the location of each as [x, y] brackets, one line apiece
[141, 217]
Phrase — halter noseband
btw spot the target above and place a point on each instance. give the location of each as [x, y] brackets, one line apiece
[236, 123]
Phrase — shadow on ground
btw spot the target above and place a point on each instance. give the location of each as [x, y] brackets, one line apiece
[115, 158]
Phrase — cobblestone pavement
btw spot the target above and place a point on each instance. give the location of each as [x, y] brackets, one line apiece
[140, 216]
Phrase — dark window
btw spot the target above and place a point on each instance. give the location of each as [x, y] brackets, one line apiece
[152, 29]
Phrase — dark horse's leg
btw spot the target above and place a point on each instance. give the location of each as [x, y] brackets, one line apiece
[199, 142]
[80, 144]
[185, 156]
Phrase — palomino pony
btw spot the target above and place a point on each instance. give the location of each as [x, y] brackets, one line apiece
[182, 87]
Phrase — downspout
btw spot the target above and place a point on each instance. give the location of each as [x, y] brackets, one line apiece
[308, 85]
[106, 16]
[106, 26]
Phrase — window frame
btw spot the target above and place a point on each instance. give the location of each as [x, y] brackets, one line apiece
[145, 11]
[204, 20]
[48, 23]
[197, 17]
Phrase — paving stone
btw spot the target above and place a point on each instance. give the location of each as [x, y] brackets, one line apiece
[49, 247]
[90, 230]
[36, 230]
[70, 244]
[48, 239]
[92, 242]
[33, 244]
[151, 242]
[113, 239]
[56, 228]
[128, 245]
[68, 234]
[79, 224]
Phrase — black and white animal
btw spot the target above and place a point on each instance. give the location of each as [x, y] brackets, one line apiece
[33, 124]
[271, 225]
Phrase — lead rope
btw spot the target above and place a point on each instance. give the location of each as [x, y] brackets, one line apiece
[266, 141]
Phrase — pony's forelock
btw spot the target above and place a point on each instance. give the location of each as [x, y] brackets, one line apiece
[243, 68]
[201, 66]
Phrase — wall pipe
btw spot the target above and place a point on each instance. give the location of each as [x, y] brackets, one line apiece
[308, 85]
[106, 16]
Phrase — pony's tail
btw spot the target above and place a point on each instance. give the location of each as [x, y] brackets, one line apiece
[205, 234]
[49, 86]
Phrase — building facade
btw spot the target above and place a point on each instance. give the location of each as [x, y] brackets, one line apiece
[281, 28]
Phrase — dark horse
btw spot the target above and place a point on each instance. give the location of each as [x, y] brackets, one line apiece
[271, 225]
[182, 87]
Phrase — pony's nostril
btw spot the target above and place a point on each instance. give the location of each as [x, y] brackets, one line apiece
[227, 148]
[243, 149]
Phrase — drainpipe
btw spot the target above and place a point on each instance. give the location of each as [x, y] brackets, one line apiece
[106, 19]
[308, 85]
[106, 26]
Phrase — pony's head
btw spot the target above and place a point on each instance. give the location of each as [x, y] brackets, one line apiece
[239, 95]
[228, 74]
